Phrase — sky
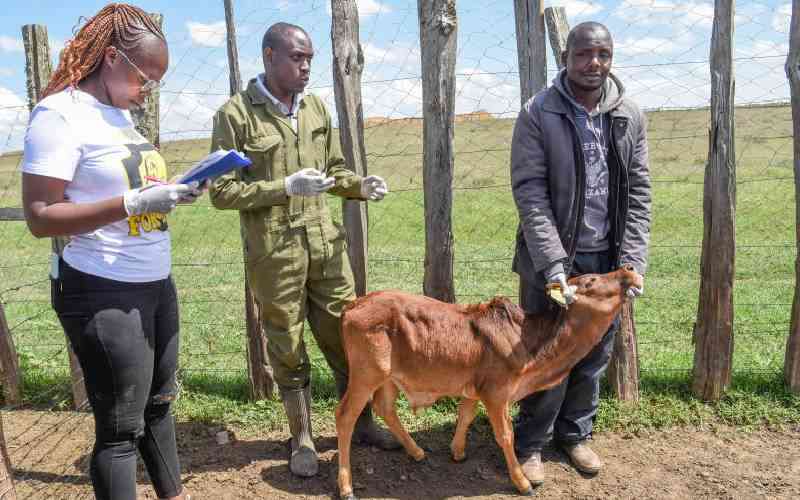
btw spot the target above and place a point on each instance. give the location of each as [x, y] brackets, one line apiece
[661, 53]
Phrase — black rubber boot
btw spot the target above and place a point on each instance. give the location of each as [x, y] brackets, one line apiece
[297, 403]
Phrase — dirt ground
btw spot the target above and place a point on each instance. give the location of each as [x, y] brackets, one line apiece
[49, 454]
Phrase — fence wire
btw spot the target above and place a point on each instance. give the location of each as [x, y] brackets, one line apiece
[661, 55]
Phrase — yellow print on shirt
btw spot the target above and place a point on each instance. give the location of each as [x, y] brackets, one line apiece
[145, 166]
[147, 223]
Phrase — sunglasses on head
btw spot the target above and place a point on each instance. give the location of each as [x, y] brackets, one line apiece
[148, 85]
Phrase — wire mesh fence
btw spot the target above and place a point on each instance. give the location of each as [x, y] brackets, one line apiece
[661, 56]
[664, 70]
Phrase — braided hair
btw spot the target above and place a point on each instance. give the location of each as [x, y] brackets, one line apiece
[118, 24]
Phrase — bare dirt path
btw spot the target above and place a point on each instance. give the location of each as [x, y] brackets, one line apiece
[49, 453]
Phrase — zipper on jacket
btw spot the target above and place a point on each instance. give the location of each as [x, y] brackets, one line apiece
[619, 230]
[580, 193]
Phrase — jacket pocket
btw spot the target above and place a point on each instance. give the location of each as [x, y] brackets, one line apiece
[266, 153]
[319, 141]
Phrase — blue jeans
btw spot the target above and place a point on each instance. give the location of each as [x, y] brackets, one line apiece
[566, 412]
[125, 336]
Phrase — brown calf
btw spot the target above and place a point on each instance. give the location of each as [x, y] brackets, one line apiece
[490, 352]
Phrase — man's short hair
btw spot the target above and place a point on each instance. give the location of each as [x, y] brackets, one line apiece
[588, 25]
[276, 35]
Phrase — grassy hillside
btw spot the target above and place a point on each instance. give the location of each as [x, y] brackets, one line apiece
[208, 269]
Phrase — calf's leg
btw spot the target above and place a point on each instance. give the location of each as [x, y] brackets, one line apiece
[384, 404]
[504, 435]
[466, 414]
[350, 407]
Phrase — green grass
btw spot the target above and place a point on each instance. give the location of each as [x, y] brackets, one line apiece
[208, 271]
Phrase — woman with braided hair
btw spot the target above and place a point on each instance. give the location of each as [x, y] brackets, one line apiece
[88, 174]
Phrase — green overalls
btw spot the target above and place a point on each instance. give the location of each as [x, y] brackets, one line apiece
[297, 256]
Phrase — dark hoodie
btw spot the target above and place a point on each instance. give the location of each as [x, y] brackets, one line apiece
[593, 128]
[550, 180]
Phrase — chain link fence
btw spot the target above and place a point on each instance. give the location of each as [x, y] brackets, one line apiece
[661, 55]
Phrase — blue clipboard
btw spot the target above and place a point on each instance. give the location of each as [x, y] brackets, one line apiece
[216, 164]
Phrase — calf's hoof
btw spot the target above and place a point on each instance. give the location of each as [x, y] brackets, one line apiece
[524, 487]
[419, 455]
[458, 458]
[349, 496]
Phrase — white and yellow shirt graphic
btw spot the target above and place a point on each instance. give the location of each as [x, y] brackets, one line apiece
[97, 150]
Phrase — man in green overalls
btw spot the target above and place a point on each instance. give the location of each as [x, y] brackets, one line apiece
[297, 256]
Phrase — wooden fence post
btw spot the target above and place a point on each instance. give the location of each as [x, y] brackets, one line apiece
[9, 364]
[259, 371]
[348, 64]
[531, 47]
[791, 369]
[234, 75]
[146, 118]
[6, 472]
[623, 368]
[438, 36]
[37, 58]
[557, 31]
[713, 332]
[38, 70]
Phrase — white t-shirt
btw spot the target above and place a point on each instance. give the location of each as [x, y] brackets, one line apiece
[95, 147]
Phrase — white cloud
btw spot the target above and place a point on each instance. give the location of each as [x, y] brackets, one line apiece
[392, 99]
[760, 48]
[782, 18]
[701, 14]
[647, 45]
[9, 99]
[751, 13]
[390, 62]
[7, 72]
[667, 87]
[366, 8]
[370, 7]
[576, 8]
[9, 44]
[188, 115]
[207, 35]
[649, 12]
[250, 67]
[13, 119]
[477, 90]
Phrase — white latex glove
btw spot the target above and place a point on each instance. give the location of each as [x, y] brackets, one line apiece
[307, 182]
[567, 291]
[160, 198]
[634, 292]
[196, 192]
[373, 188]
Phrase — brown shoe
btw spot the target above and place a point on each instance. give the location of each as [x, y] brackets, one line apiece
[583, 458]
[532, 468]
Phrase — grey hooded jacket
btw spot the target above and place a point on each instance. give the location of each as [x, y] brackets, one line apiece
[548, 182]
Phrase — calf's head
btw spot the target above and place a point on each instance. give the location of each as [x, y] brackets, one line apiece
[556, 347]
[599, 294]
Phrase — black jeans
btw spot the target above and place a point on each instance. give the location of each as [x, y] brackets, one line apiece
[126, 338]
[567, 411]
